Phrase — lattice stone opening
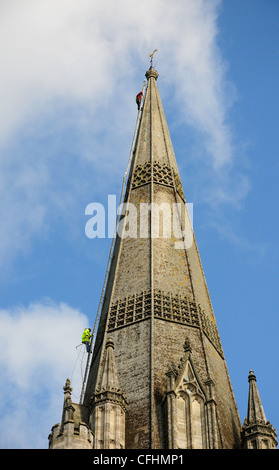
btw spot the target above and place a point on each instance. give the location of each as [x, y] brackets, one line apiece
[174, 308]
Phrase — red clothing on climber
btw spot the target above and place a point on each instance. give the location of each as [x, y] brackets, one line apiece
[139, 99]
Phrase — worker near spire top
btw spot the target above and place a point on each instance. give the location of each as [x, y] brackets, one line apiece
[86, 338]
[139, 99]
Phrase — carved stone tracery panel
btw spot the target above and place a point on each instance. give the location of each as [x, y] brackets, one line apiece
[174, 308]
[162, 174]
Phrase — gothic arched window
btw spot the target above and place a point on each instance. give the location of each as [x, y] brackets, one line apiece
[187, 411]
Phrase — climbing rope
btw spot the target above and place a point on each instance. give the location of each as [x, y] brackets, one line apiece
[80, 350]
[112, 245]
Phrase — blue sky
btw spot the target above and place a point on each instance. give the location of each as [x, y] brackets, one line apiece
[70, 73]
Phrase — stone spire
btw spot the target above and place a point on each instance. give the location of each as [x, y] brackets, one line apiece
[156, 296]
[108, 406]
[73, 432]
[109, 379]
[257, 432]
[158, 378]
[255, 412]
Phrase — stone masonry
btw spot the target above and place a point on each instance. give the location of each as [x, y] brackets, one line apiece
[158, 377]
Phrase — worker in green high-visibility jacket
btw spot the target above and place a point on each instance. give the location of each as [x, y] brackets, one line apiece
[86, 338]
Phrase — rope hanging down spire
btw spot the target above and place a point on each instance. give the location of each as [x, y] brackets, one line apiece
[112, 247]
[114, 236]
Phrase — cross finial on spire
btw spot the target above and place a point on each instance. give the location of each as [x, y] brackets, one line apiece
[151, 57]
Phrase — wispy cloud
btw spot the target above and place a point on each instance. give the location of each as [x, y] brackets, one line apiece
[37, 349]
[70, 71]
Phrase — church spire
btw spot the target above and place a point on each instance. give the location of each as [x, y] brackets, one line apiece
[156, 296]
[257, 432]
[157, 376]
[255, 412]
[109, 379]
[108, 406]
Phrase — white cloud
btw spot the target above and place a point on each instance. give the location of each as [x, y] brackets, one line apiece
[70, 71]
[38, 352]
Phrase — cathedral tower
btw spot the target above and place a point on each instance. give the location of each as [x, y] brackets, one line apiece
[157, 310]
[157, 378]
